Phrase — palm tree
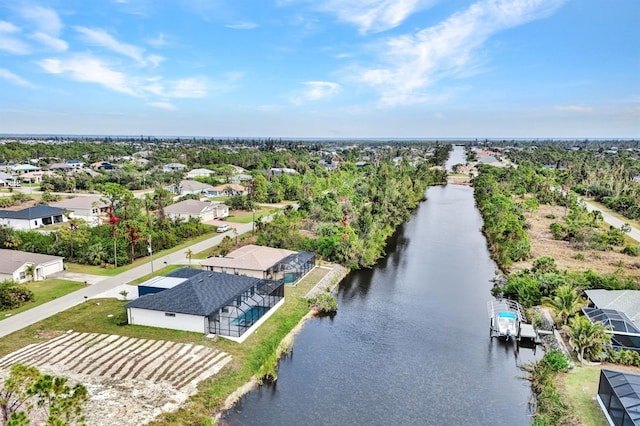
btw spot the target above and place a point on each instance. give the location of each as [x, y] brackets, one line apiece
[30, 271]
[587, 337]
[564, 303]
[189, 255]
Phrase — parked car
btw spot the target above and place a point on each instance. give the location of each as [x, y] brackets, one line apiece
[223, 228]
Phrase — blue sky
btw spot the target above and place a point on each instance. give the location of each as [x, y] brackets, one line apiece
[322, 68]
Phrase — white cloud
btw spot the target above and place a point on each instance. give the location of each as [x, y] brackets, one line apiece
[168, 106]
[573, 108]
[8, 27]
[13, 78]
[103, 39]
[88, 69]
[9, 42]
[412, 63]
[374, 15]
[53, 43]
[188, 88]
[242, 26]
[13, 45]
[44, 18]
[159, 41]
[315, 91]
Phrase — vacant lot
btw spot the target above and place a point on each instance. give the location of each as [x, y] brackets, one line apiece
[130, 380]
[567, 257]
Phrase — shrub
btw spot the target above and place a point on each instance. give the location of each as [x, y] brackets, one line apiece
[558, 230]
[631, 250]
[544, 264]
[13, 296]
[323, 303]
[555, 360]
[578, 256]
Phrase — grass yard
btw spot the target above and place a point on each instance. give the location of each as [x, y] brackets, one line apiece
[43, 292]
[244, 216]
[579, 387]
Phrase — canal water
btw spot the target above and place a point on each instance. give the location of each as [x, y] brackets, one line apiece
[410, 344]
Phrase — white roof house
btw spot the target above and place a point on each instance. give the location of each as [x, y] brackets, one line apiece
[199, 173]
[174, 167]
[13, 265]
[194, 208]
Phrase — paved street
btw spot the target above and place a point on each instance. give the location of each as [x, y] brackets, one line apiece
[614, 221]
[106, 284]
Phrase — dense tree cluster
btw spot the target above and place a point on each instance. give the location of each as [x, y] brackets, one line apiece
[348, 215]
[604, 174]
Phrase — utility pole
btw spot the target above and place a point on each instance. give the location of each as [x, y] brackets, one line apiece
[150, 249]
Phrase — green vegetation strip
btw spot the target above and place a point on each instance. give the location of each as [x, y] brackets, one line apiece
[110, 272]
[43, 292]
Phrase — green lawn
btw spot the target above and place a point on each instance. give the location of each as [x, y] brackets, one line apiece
[43, 292]
[243, 216]
[579, 387]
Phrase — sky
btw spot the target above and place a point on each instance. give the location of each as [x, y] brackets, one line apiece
[321, 68]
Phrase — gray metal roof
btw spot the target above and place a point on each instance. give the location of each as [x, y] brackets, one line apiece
[11, 260]
[202, 294]
[35, 212]
[627, 301]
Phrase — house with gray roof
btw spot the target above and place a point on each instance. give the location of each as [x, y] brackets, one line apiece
[187, 186]
[627, 301]
[7, 179]
[230, 306]
[194, 173]
[32, 217]
[174, 167]
[90, 208]
[14, 263]
[202, 210]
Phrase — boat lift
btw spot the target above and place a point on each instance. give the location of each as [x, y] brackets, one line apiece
[507, 320]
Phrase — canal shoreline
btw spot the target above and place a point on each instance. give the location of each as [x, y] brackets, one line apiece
[329, 284]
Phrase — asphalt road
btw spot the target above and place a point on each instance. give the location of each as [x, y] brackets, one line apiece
[614, 221]
[26, 318]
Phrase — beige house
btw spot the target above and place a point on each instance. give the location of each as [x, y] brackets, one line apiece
[227, 190]
[89, 208]
[194, 208]
[250, 260]
[14, 264]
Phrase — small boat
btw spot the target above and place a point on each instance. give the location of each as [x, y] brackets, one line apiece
[505, 316]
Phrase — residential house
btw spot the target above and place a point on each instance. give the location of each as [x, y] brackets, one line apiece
[282, 170]
[205, 211]
[76, 164]
[226, 305]
[174, 167]
[186, 187]
[90, 208]
[35, 177]
[104, 165]
[7, 179]
[32, 217]
[263, 262]
[227, 190]
[60, 167]
[14, 264]
[199, 173]
[24, 168]
[240, 177]
[620, 311]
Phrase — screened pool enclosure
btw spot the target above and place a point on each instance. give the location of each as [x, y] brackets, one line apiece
[293, 267]
[245, 309]
[619, 397]
[624, 333]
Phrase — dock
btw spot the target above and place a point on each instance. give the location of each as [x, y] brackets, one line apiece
[528, 331]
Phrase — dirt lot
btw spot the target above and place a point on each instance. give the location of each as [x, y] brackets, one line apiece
[543, 244]
[130, 381]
